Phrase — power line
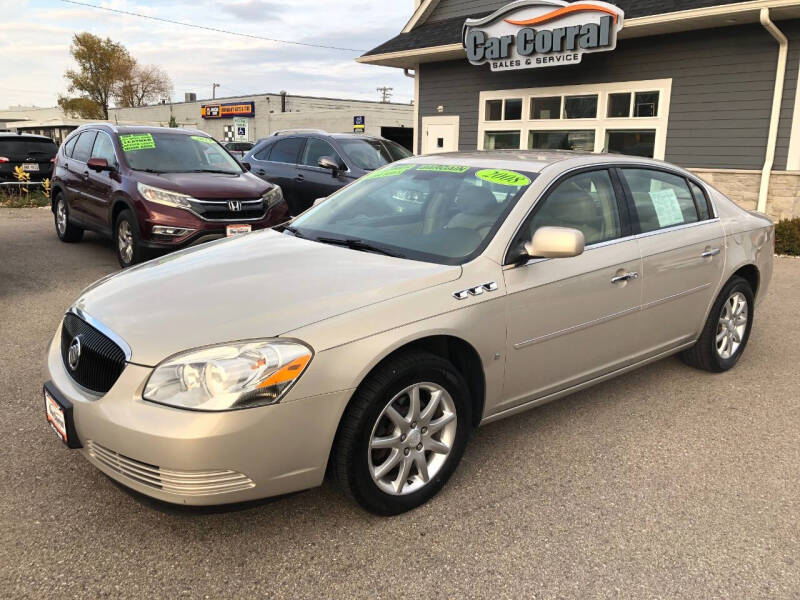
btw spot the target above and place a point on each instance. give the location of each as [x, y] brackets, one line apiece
[217, 30]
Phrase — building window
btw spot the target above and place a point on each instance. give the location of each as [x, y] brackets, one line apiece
[562, 140]
[632, 142]
[580, 107]
[546, 108]
[621, 117]
[509, 109]
[501, 140]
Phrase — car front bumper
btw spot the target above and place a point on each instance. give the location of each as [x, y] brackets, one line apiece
[199, 458]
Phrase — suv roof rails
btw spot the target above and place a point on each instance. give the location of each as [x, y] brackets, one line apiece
[288, 131]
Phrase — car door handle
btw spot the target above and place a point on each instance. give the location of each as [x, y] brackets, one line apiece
[710, 253]
[299, 178]
[261, 172]
[625, 277]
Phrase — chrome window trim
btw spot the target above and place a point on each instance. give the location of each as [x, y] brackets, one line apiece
[82, 314]
[611, 165]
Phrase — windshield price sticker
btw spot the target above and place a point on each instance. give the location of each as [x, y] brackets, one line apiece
[443, 168]
[668, 209]
[137, 141]
[389, 172]
[203, 139]
[503, 177]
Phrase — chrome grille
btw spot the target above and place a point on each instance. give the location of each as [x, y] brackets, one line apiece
[185, 483]
[220, 210]
[101, 359]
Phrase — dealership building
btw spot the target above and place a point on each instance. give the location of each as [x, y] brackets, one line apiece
[709, 85]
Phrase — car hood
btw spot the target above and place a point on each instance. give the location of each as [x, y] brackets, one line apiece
[208, 185]
[258, 285]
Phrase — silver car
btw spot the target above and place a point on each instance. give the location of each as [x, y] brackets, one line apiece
[373, 332]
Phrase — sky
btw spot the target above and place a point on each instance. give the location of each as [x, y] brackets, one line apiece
[35, 37]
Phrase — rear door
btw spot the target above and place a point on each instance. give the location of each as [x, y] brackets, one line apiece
[281, 168]
[314, 181]
[77, 176]
[682, 247]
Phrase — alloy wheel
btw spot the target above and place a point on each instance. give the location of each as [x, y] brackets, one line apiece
[125, 241]
[61, 216]
[412, 438]
[731, 325]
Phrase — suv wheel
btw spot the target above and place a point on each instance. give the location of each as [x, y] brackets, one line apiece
[403, 433]
[66, 231]
[127, 243]
[726, 331]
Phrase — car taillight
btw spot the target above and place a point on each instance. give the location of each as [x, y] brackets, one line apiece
[3, 159]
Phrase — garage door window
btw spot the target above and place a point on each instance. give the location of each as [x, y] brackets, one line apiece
[661, 199]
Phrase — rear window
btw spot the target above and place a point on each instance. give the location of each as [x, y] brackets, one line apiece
[286, 151]
[372, 154]
[21, 147]
[661, 199]
[83, 147]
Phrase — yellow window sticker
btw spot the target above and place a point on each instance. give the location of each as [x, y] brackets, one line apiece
[137, 141]
[389, 172]
[444, 168]
[201, 138]
[503, 177]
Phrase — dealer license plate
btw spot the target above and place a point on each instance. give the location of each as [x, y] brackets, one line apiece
[55, 416]
[30, 167]
[232, 230]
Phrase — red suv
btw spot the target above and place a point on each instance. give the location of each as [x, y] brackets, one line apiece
[155, 188]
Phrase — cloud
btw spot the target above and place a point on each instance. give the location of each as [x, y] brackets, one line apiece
[253, 10]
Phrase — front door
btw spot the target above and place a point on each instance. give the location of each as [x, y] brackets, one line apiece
[573, 319]
[439, 134]
[315, 181]
[682, 249]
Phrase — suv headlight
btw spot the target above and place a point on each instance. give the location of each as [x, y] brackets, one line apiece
[159, 196]
[272, 197]
[229, 376]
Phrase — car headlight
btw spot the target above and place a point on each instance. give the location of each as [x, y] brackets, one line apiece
[159, 196]
[228, 376]
[273, 197]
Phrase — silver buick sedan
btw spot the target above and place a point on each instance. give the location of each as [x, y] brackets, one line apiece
[372, 333]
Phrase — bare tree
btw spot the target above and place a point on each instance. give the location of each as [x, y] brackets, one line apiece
[141, 85]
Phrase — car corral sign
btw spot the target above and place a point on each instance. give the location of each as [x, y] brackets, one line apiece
[227, 111]
[541, 33]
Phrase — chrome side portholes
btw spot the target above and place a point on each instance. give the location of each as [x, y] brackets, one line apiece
[477, 290]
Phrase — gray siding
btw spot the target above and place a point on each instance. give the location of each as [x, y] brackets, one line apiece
[792, 31]
[722, 83]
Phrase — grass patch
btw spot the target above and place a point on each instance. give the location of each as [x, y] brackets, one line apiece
[19, 199]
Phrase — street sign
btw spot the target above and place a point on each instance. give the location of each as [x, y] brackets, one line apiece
[359, 122]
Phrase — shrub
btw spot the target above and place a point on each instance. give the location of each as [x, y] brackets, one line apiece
[787, 236]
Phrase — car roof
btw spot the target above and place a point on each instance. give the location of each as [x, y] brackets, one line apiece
[123, 129]
[25, 136]
[531, 160]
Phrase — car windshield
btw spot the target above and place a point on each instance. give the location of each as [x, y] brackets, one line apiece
[20, 148]
[433, 212]
[176, 153]
[371, 154]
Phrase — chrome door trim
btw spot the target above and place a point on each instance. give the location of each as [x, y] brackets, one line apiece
[693, 290]
[574, 328]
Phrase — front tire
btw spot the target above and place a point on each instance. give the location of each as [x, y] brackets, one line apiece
[403, 433]
[66, 231]
[726, 331]
[127, 243]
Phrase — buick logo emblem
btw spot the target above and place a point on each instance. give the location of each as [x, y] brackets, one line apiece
[234, 205]
[74, 353]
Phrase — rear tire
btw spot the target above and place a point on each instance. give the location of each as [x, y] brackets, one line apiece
[66, 231]
[727, 329]
[127, 242]
[391, 457]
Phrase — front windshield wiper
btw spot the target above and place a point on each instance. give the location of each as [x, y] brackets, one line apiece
[292, 230]
[356, 244]
[212, 171]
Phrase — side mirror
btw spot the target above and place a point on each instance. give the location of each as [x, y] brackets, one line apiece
[326, 162]
[247, 166]
[320, 200]
[555, 242]
[99, 164]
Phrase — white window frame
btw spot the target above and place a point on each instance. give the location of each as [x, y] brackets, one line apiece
[600, 125]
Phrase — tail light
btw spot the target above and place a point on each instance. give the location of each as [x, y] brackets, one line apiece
[4, 159]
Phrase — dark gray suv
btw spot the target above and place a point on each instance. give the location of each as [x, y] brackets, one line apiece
[313, 164]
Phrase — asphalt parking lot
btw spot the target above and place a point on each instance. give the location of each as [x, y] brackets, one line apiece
[669, 482]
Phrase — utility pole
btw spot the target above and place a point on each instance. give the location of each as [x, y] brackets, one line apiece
[386, 93]
[214, 87]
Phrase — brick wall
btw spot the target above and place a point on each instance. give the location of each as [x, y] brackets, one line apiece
[783, 201]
